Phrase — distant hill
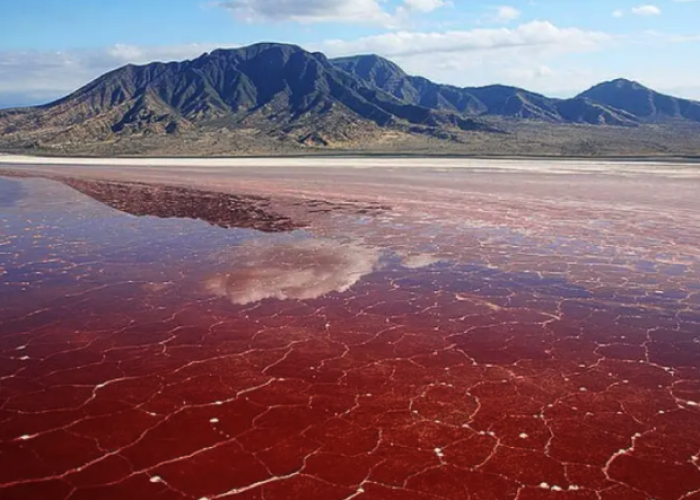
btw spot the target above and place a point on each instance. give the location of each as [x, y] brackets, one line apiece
[645, 104]
[272, 97]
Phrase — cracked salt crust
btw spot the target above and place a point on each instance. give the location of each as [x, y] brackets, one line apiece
[386, 328]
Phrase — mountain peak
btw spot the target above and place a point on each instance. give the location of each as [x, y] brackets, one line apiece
[251, 51]
[370, 67]
[621, 83]
[633, 97]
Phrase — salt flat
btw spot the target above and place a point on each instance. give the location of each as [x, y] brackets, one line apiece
[677, 168]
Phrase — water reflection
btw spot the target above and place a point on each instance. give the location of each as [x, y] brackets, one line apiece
[304, 269]
[219, 209]
[418, 261]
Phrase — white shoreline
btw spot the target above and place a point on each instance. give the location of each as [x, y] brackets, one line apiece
[539, 166]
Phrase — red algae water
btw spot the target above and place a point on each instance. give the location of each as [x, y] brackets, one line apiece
[502, 347]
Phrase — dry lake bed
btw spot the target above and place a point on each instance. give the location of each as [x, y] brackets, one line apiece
[349, 328]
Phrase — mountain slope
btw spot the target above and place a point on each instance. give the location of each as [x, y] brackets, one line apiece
[584, 110]
[642, 102]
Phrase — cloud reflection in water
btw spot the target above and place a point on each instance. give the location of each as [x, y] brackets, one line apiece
[300, 270]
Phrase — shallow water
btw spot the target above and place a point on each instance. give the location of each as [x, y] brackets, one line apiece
[156, 356]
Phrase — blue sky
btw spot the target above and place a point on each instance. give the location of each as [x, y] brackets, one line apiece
[559, 47]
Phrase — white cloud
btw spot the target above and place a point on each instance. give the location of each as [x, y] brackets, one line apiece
[618, 13]
[322, 11]
[39, 76]
[529, 73]
[506, 13]
[300, 270]
[424, 5]
[533, 34]
[418, 261]
[306, 11]
[646, 10]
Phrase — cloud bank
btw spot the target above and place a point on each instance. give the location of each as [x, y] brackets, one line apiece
[532, 34]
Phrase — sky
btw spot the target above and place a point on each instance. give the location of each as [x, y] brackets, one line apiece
[49, 48]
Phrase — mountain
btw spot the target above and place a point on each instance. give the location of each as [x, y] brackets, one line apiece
[642, 102]
[493, 100]
[279, 89]
[275, 98]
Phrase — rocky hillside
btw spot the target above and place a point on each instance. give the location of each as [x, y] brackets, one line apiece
[281, 90]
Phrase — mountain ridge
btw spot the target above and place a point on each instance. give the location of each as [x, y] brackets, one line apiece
[504, 100]
[282, 95]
